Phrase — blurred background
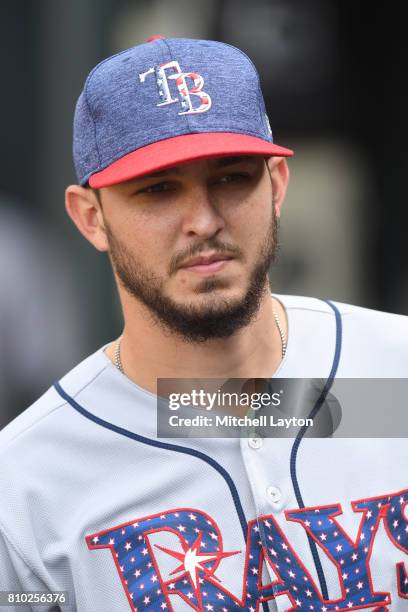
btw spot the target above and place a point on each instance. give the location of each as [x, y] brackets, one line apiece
[333, 75]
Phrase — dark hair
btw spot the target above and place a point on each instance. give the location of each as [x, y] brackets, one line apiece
[96, 192]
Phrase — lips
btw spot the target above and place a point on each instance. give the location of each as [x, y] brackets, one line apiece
[203, 260]
[207, 264]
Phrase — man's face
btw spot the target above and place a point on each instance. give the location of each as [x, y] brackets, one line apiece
[219, 207]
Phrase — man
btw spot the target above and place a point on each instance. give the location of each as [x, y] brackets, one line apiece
[180, 182]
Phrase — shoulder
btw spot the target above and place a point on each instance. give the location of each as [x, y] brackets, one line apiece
[42, 457]
[50, 410]
[349, 313]
[373, 342]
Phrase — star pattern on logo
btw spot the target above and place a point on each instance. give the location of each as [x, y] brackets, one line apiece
[192, 562]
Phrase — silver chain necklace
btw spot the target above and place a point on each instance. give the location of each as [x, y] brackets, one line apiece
[118, 360]
[281, 333]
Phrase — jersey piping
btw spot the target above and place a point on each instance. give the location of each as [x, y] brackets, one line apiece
[299, 437]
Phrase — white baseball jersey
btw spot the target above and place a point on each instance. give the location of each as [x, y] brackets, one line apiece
[94, 503]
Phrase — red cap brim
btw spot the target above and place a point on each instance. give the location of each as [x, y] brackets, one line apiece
[181, 149]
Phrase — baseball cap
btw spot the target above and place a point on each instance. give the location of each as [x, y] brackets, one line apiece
[167, 102]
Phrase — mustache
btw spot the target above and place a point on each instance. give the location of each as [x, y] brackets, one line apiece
[211, 245]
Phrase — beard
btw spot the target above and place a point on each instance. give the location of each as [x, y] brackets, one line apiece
[213, 318]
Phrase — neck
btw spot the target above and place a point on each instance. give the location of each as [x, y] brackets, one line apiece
[147, 353]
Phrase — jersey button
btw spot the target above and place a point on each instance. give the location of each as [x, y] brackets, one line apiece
[255, 443]
[274, 494]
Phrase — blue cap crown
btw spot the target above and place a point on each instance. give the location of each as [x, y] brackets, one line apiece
[160, 90]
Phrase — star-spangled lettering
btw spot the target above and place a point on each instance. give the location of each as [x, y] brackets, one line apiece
[350, 558]
[165, 95]
[198, 551]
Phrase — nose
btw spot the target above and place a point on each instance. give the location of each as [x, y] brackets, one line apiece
[201, 215]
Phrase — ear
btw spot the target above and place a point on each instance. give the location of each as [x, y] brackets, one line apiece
[279, 170]
[84, 209]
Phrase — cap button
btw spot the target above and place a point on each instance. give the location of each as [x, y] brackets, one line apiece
[155, 37]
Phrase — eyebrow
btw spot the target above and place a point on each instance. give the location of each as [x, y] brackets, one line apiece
[235, 159]
[219, 163]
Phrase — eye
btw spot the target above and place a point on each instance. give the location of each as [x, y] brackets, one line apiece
[234, 177]
[157, 188]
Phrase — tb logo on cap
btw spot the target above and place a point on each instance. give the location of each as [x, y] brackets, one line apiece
[162, 80]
